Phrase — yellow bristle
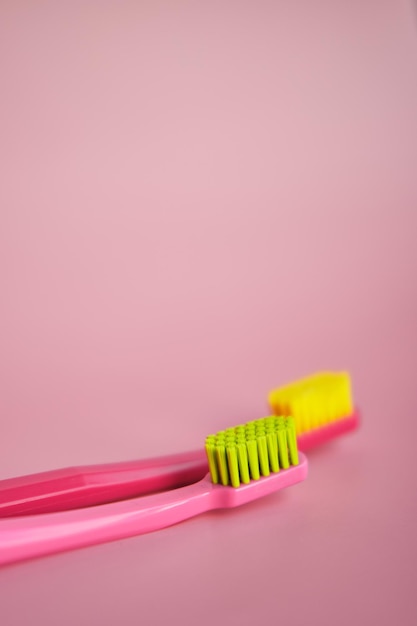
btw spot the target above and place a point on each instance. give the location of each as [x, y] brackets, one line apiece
[314, 401]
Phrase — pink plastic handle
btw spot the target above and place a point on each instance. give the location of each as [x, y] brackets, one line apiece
[323, 434]
[31, 536]
[77, 487]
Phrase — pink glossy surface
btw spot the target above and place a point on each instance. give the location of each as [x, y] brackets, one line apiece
[200, 201]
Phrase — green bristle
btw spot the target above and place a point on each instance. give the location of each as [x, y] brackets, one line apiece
[270, 426]
[211, 457]
[271, 440]
[233, 464]
[263, 454]
[252, 448]
[282, 443]
[242, 453]
[247, 452]
[222, 463]
[292, 440]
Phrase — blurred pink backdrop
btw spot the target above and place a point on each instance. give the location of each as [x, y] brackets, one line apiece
[200, 201]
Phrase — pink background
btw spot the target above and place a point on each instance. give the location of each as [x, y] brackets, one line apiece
[200, 201]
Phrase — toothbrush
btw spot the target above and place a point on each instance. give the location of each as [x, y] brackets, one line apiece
[322, 407]
[246, 463]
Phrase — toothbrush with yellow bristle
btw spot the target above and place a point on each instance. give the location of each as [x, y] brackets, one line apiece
[246, 463]
[321, 406]
[322, 409]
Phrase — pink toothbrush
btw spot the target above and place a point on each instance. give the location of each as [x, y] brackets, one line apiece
[250, 462]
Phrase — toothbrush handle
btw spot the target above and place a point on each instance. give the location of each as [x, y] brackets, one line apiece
[32, 536]
[76, 487]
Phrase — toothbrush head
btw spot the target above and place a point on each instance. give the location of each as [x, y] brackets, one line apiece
[321, 405]
[246, 452]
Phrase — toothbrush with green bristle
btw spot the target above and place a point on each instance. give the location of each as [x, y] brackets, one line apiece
[246, 463]
[321, 405]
